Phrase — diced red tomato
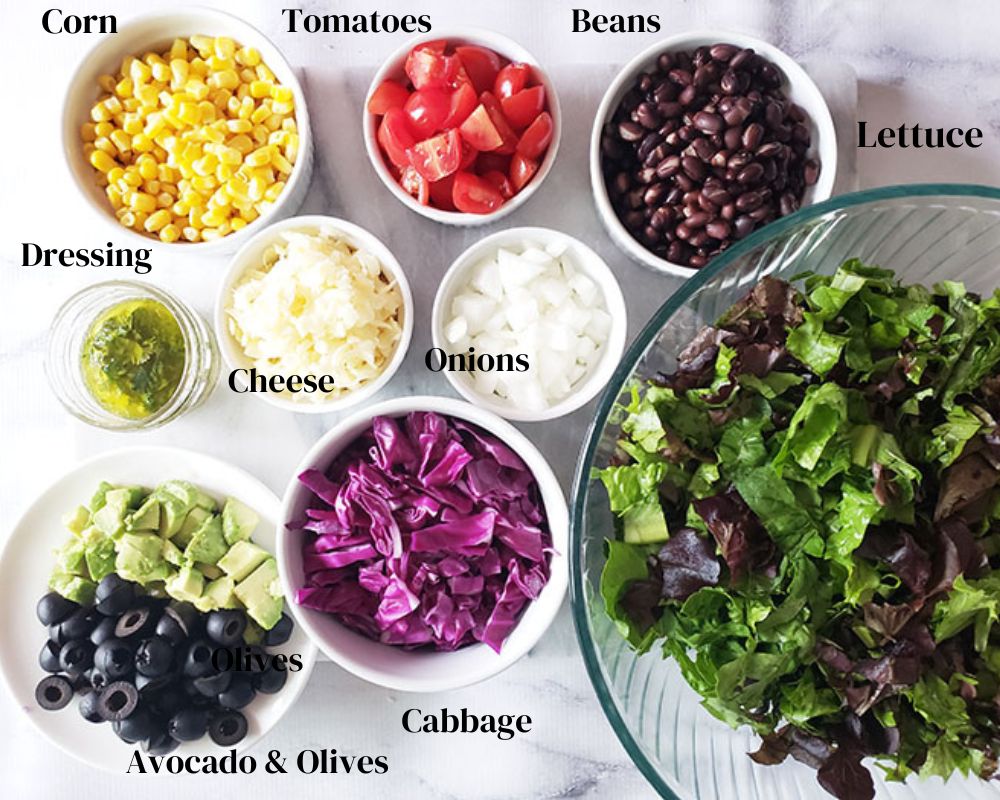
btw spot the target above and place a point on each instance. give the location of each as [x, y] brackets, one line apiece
[475, 195]
[389, 94]
[507, 135]
[469, 155]
[481, 64]
[522, 108]
[395, 138]
[522, 170]
[512, 79]
[441, 193]
[462, 102]
[488, 162]
[536, 139]
[437, 45]
[428, 68]
[501, 181]
[416, 184]
[437, 157]
[479, 131]
[427, 110]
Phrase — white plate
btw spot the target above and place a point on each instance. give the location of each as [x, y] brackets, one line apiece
[27, 560]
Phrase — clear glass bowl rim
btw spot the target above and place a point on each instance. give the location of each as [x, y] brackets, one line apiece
[625, 370]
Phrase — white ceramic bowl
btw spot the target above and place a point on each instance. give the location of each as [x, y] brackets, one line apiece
[27, 560]
[155, 32]
[393, 68]
[799, 88]
[587, 262]
[249, 257]
[422, 670]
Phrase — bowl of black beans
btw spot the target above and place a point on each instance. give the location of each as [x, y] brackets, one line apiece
[702, 139]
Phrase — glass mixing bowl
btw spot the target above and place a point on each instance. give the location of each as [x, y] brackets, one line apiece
[926, 233]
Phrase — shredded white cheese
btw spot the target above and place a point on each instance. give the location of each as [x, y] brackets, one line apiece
[318, 306]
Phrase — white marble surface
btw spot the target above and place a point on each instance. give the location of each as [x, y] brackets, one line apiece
[917, 61]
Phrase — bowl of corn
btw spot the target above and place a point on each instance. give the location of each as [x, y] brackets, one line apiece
[188, 128]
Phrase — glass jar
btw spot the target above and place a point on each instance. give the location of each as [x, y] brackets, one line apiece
[69, 331]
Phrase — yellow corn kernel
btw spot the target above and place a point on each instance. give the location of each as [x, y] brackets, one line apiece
[161, 72]
[260, 157]
[105, 144]
[272, 123]
[204, 184]
[101, 161]
[237, 224]
[178, 50]
[140, 201]
[164, 200]
[256, 189]
[242, 143]
[157, 220]
[115, 175]
[289, 125]
[224, 79]
[224, 47]
[148, 96]
[264, 74]
[189, 113]
[247, 107]
[190, 234]
[139, 72]
[281, 164]
[259, 89]
[203, 44]
[239, 125]
[121, 140]
[259, 135]
[124, 88]
[99, 113]
[194, 217]
[282, 94]
[248, 56]
[196, 88]
[126, 217]
[147, 167]
[131, 104]
[88, 148]
[132, 177]
[114, 197]
[132, 124]
[273, 191]
[170, 233]
[210, 235]
[261, 113]
[107, 82]
[282, 107]
[88, 131]
[198, 67]
[243, 90]
[141, 143]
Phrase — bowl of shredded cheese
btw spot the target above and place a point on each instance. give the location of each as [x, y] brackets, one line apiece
[314, 315]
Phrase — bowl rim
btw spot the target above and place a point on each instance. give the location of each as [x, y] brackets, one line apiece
[504, 46]
[626, 367]
[615, 307]
[301, 169]
[553, 592]
[795, 74]
[235, 269]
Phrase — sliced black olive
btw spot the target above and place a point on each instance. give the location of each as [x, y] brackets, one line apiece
[115, 658]
[118, 700]
[154, 657]
[134, 622]
[147, 684]
[56, 635]
[160, 744]
[48, 659]
[53, 692]
[239, 694]
[136, 727]
[114, 595]
[76, 657]
[53, 608]
[211, 685]
[89, 708]
[280, 633]
[111, 583]
[166, 701]
[78, 625]
[271, 680]
[228, 728]
[226, 627]
[171, 628]
[187, 616]
[198, 663]
[105, 630]
[188, 725]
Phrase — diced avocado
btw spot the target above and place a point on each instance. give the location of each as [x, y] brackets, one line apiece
[99, 551]
[111, 516]
[172, 553]
[256, 592]
[77, 521]
[70, 558]
[140, 558]
[192, 522]
[645, 524]
[242, 559]
[186, 492]
[218, 594]
[73, 587]
[186, 585]
[207, 544]
[238, 521]
[173, 512]
[210, 571]
[146, 517]
[207, 502]
[97, 501]
[253, 634]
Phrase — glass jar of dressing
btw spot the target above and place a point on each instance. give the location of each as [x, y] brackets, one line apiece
[124, 355]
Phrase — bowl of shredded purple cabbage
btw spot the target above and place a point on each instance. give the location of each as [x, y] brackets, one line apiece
[424, 544]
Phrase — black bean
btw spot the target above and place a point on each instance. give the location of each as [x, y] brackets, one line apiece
[752, 135]
[684, 182]
[669, 109]
[648, 145]
[698, 219]
[676, 252]
[748, 201]
[728, 211]
[810, 171]
[800, 133]
[722, 51]
[718, 229]
[787, 204]
[630, 131]
[733, 137]
[707, 205]
[665, 62]
[646, 175]
[741, 59]
[751, 173]
[716, 194]
[647, 116]
[769, 149]
[664, 92]
[668, 166]
[661, 218]
[708, 122]
[654, 194]
[681, 77]
[688, 96]
[703, 149]
[622, 183]
[742, 226]
[683, 231]
[693, 167]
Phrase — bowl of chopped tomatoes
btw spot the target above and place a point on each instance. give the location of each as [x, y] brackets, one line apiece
[462, 127]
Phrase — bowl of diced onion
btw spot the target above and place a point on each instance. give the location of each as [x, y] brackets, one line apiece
[314, 296]
[538, 315]
[189, 129]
